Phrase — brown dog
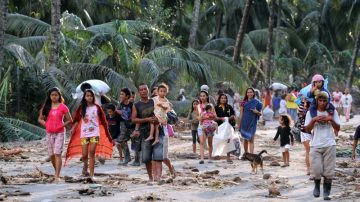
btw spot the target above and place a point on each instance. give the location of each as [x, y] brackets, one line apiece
[256, 160]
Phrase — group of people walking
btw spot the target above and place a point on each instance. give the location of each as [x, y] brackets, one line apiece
[94, 131]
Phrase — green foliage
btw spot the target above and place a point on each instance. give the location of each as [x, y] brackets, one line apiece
[13, 129]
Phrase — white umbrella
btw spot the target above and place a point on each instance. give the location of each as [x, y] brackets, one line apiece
[278, 86]
[98, 86]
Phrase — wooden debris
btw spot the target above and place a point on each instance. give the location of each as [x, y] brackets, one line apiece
[213, 172]
[10, 152]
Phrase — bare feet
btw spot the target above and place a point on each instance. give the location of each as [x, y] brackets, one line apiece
[57, 179]
[155, 142]
[173, 172]
[85, 173]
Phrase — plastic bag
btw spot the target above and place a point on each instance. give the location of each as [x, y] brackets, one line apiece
[268, 114]
[223, 140]
[98, 86]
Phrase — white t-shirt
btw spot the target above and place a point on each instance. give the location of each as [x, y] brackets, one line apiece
[282, 109]
[346, 100]
[90, 123]
[323, 133]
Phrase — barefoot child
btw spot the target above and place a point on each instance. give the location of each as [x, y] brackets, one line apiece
[194, 123]
[114, 127]
[52, 118]
[161, 107]
[284, 133]
[90, 134]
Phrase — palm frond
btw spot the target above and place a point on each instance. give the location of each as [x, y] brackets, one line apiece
[23, 26]
[19, 53]
[309, 26]
[94, 44]
[148, 71]
[32, 43]
[123, 51]
[259, 38]
[184, 60]
[106, 28]
[223, 68]
[248, 47]
[219, 44]
[12, 129]
[317, 52]
[55, 77]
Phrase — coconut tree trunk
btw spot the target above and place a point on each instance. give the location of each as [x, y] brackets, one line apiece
[277, 42]
[353, 62]
[3, 11]
[219, 25]
[55, 33]
[269, 46]
[194, 24]
[242, 30]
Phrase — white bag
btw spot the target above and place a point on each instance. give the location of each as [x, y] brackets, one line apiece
[98, 86]
[268, 114]
[223, 139]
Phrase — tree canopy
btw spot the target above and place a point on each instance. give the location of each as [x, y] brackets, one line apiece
[128, 42]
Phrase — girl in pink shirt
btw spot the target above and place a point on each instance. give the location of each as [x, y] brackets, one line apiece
[51, 117]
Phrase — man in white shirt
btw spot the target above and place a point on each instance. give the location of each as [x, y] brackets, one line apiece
[322, 144]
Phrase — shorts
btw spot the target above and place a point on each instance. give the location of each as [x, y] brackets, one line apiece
[165, 146]
[305, 137]
[55, 143]
[284, 148]
[200, 132]
[87, 140]
[150, 152]
[210, 127]
[124, 133]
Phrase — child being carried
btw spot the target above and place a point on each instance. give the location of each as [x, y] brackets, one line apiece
[161, 107]
[209, 126]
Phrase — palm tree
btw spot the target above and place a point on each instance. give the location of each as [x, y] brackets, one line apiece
[241, 33]
[55, 32]
[353, 62]
[3, 11]
[194, 24]
[269, 46]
